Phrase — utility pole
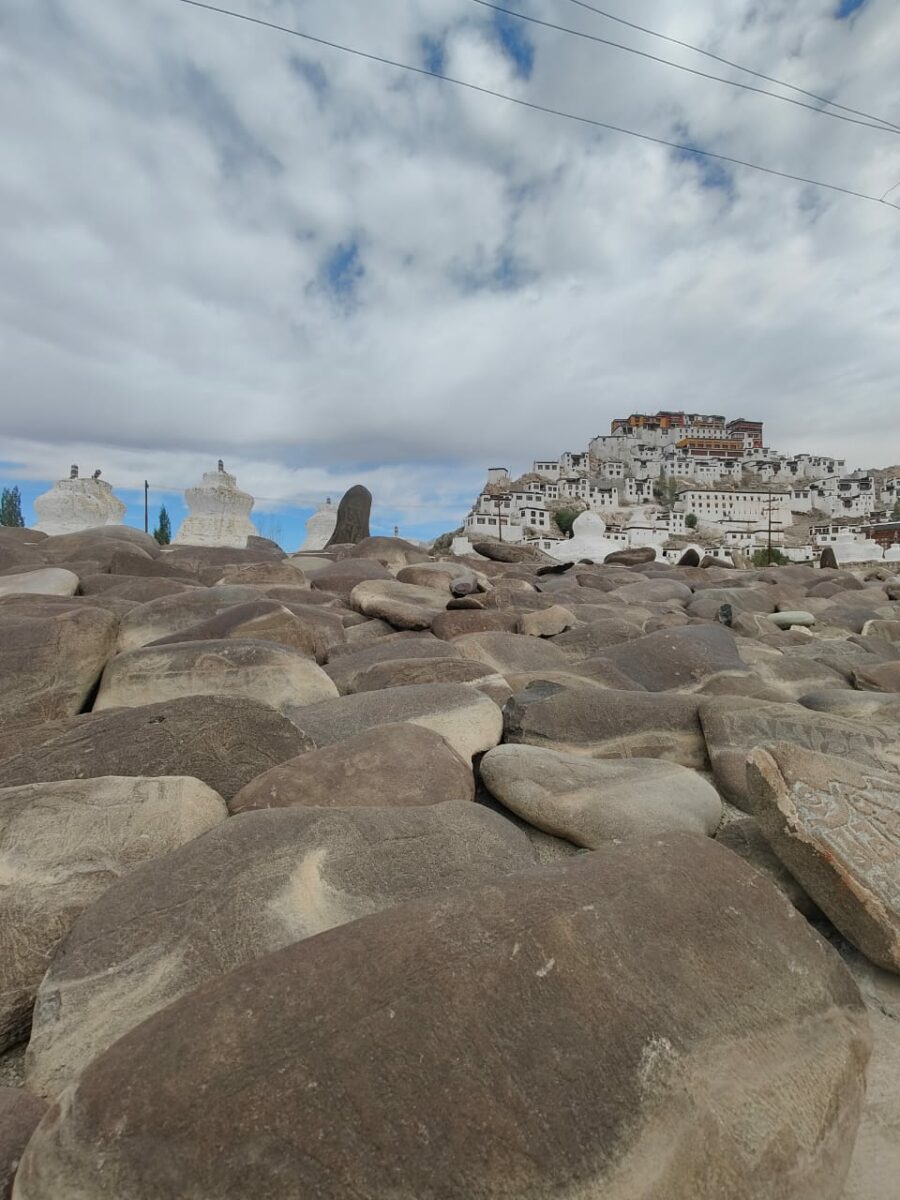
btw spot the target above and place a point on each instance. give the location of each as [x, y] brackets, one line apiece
[146, 507]
[499, 521]
[769, 538]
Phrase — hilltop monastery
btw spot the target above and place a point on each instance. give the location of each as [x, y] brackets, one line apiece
[677, 475]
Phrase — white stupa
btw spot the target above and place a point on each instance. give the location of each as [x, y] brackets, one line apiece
[321, 526]
[219, 513]
[75, 504]
[588, 540]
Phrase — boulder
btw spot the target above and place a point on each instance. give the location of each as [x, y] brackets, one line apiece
[450, 625]
[348, 668]
[791, 618]
[352, 517]
[302, 629]
[52, 652]
[405, 672]
[511, 653]
[875, 707]
[604, 723]
[48, 581]
[513, 1038]
[885, 677]
[400, 604]
[340, 578]
[828, 559]
[454, 579]
[690, 558]
[174, 614]
[133, 587]
[590, 802]
[466, 718]
[388, 766]
[633, 557]
[20, 1115]
[677, 659]
[288, 571]
[733, 727]
[63, 844]
[507, 552]
[261, 881]
[223, 741]
[836, 827]
[245, 670]
[654, 591]
[391, 552]
[742, 835]
[593, 638]
[547, 622]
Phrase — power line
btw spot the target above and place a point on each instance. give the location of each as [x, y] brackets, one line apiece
[554, 112]
[746, 87]
[728, 63]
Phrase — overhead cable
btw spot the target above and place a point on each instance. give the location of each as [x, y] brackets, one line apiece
[530, 104]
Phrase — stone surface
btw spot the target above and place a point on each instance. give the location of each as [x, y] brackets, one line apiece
[51, 656]
[632, 558]
[245, 670]
[281, 876]
[392, 552]
[341, 578]
[885, 677]
[489, 1039]
[219, 513]
[836, 827]
[173, 614]
[20, 1113]
[61, 846]
[72, 505]
[450, 625]
[391, 765]
[604, 723]
[741, 834]
[511, 653]
[676, 659]
[223, 741]
[734, 727]
[405, 672]
[352, 524]
[400, 604]
[590, 802]
[468, 720]
[546, 622]
[791, 618]
[301, 628]
[347, 669]
[507, 552]
[49, 581]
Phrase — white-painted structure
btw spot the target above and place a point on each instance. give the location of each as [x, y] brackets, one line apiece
[219, 513]
[320, 526]
[75, 504]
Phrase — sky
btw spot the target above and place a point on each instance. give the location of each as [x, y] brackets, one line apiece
[217, 240]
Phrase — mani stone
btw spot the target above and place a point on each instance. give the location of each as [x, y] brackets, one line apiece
[650, 1019]
[48, 581]
[261, 881]
[828, 559]
[20, 1115]
[320, 526]
[676, 659]
[632, 558]
[505, 552]
[73, 505]
[219, 513]
[223, 741]
[836, 827]
[590, 802]
[402, 605]
[352, 523]
[61, 846]
[389, 766]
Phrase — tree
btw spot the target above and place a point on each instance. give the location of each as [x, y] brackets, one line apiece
[770, 558]
[11, 507]
[895, 514]
[565, 518]
[690, 521]
[163, 531]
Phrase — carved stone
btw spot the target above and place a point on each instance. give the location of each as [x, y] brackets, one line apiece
[352, 517]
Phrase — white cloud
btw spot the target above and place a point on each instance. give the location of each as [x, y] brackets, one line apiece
[175, 187]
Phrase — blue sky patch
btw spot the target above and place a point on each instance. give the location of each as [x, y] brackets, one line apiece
[515, 42]
[342, 270]
[846, 8]
[434, 56]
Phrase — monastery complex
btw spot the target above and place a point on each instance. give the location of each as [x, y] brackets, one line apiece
[670, 478]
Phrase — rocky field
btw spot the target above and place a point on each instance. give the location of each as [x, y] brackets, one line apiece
[366, 875]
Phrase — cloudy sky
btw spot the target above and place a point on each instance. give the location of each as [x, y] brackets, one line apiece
[220, 240]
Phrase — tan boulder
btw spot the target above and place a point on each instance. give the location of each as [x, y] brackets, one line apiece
[400, 604]
[546, 622]
[48, 581]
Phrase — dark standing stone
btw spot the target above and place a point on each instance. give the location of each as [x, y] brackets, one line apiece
[690, 558]
[353, 517]
[828, 560]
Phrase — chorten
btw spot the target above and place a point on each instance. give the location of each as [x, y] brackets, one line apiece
[320, 526]
[219, 513]
[75, 504]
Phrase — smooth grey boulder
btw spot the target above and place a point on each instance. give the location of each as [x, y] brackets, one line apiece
[52, 652]
[287, 571]
[391, 765]
[48, 581]
[506, 552]
[299, 627]
[400, 604]
[884, 677]
[654, 591]
[877, 707]
[221, 740]
[456, 622]
[392, 552]
[741, 834]
[403, 672]
[465, 717]
[650, 1019]
[836, 827]
[590, 801]
[61, 846]
[631, 558]
[595, 636]
[511, 653]
[352, 517]
[677, 659]
[244, 670]
[133, 587]
[340, 578]
[733, 727]
[547, 622]
[348, 668]
[605, 723]
[173, 614]
[20, 1114]
[261, 881]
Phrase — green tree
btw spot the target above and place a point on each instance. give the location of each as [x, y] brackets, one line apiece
[770, 558]
[163, 530]
[895, 514]
[11, 507]
[565, 518]
[691, 521]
